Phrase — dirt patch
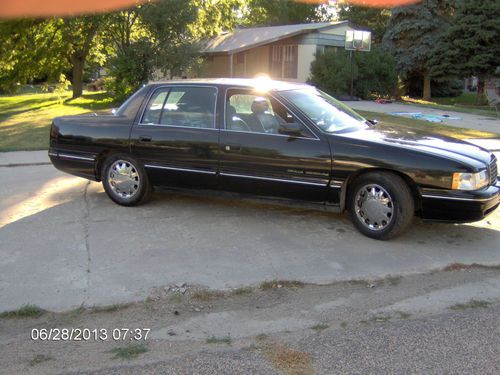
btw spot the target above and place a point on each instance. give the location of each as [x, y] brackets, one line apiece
[462, 267]
[288, 360]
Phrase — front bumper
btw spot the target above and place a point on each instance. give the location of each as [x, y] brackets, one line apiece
[459, 206]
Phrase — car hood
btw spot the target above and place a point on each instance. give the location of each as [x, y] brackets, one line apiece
[429, 143]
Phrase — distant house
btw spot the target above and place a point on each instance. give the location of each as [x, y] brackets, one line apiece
[282, 52]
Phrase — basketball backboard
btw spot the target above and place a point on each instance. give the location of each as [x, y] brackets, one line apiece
[358, 40]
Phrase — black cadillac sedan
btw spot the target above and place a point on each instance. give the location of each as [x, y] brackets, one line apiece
[276, 139]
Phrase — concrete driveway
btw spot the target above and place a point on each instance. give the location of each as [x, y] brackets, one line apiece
[64, 243]
[466, 120]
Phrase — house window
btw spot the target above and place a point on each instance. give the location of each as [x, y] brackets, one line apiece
[283, 61]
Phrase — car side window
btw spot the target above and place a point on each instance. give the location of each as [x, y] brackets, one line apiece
[185, 106]
[259, 113]
[154, 108]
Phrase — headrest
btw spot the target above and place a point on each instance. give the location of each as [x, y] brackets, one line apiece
[259, 105]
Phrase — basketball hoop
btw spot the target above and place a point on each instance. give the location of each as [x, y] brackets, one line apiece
[358, 40]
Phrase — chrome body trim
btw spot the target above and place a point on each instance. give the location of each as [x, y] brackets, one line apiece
[68, 156]
[458, 198]
[272, 179]
[178, 169]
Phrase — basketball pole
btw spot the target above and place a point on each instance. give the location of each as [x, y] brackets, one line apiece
[352, 74]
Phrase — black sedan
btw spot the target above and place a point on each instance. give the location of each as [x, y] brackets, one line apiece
[276, 139]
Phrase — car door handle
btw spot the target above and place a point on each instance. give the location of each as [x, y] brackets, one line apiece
[144, 138]
[233, 147]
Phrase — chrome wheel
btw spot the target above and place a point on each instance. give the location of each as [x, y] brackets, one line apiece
[124, 179]
[374, 207]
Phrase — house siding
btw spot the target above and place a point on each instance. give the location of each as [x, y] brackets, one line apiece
[306, 57]
[257, 60]
[218, 67]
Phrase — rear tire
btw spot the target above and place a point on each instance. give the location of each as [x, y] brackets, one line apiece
[381, 205]
[125, 180]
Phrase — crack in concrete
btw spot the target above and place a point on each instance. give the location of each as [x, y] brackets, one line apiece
[266, 255]
[85, 220]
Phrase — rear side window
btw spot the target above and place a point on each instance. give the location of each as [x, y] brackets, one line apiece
[192, 107]
[155, 107]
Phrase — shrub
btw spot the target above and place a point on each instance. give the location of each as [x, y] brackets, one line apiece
[374, 73]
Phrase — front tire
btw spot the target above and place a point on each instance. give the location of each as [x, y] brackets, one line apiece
[125, 180]
[381, 205]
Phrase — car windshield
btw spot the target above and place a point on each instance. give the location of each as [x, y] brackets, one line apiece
[329, 114]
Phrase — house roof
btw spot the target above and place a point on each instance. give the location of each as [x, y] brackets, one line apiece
[242, 39]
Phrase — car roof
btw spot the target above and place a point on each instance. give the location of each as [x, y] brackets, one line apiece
[269, 84]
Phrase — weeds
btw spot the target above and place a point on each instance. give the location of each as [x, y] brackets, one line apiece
[219, 340]
[207, 295]
[241, 291]
[320, 327]
[472, 304]
[25, 311]
[129, 352]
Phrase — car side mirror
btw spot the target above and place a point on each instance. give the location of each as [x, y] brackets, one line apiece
[373, 122]
[291, 128]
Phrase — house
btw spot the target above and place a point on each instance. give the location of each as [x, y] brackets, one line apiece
[282, 52]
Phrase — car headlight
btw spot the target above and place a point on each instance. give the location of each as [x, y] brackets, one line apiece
[470, 181]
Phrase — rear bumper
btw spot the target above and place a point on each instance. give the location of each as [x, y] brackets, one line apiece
[77, 164]
[459, 207]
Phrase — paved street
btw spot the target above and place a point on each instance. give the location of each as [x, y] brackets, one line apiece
[466, 120]
[64, 243]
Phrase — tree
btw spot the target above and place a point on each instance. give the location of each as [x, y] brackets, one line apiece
[47, 48]
[374, 72]
[375, 19]
[284, 12]
[80, 39]
[471, 47]
[123, 28]
[412, 35]
[27, 53]
[215, 17]
[167, 22]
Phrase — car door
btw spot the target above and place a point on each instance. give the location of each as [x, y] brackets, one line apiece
[176, 137]
[266, 149]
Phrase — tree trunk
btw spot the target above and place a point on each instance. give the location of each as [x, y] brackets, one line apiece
[427, 87]
[481, 92]
[77, 76]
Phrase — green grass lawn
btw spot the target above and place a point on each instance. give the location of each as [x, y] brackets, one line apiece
[465, 103]
[25, 119]
[460, 133]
